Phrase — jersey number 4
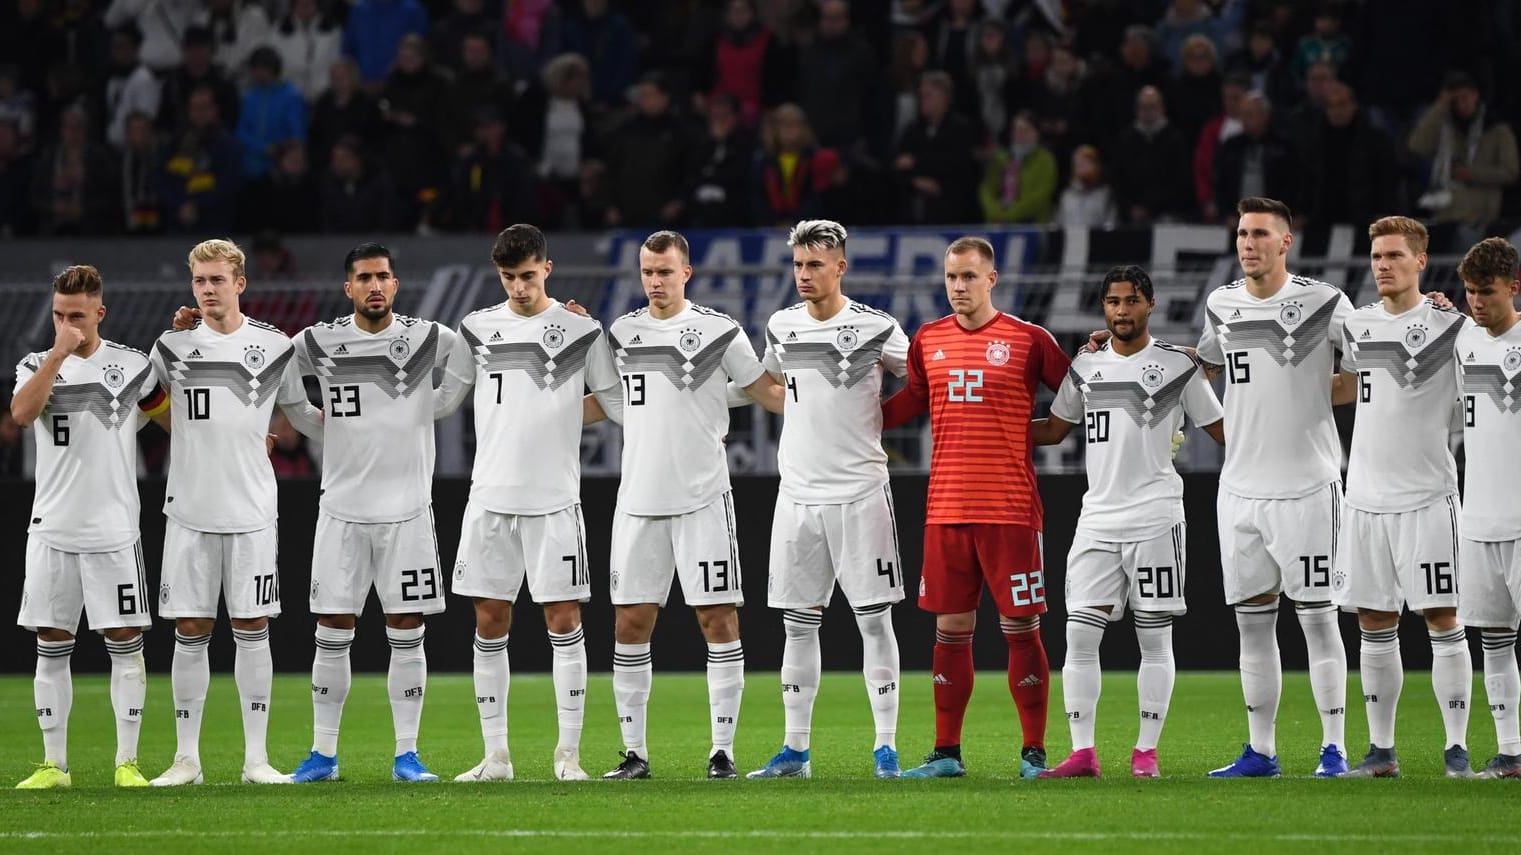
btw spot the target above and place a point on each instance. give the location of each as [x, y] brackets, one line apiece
[965, 385]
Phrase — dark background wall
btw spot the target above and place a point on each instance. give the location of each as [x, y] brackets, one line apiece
[1205, 638]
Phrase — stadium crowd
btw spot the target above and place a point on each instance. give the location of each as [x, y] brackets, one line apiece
[352, 116]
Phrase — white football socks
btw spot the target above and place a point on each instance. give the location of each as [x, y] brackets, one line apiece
[1082, 680]
[569, 673]
[633, 674]
[1502, 683]
[253, 670]
[406, 681]
[1383, 675]
[129, 690]
[53, 690]
[493, 678]
[1154, 680]
[332, 677]
[189, 678]
[1452, 680]
[879, 664]
[1261, 673]
[1328, 668]
[726, 686]
[801, 668]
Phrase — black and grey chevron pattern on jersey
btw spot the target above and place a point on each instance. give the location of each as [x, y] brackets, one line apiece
[838, 368]
[1287, 347]
[252, 389]
[548, 371]
[113, 409]
[378, 370]
[1147, 408]
[1491, 380]
[1408, 369]
[687, 372]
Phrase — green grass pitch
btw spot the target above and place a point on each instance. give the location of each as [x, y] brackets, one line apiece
[842, 808]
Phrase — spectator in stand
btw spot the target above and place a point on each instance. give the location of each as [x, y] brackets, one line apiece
[1302, 119]
[1054, 98]
[142, 165]
[203, 173]
[81, 36]
[1112, 95]
[74, 185]
[608, 41]
[446, 38]
[720, 194]
[1265, 66]
[288, 199]
[131, 88]
[238, 28]
[289, 457]
[478, 83]
[1150, 161]
[1326, 43]
[491, 184]
[270, 259]
[1214, 135]
[554, 125]
[530, 35]
[1259, 161]
[1087, 202]
[17, 219]
[1196, 95]
[273, 113]
[162, 22]
[18, 104]
[309, 41]
[374, 32]
[1020, 183]
[197, 71]
[911, 57]
[355, 198]
[344, 109]
[991, 74]
[1351, 174]
[793, 173]
[1473, 159]
[414, 106]
[748, 63]
[1029, 74]
[936, 162]
[649, 161]
[1184, 20]
[837, 79]
[952, 45]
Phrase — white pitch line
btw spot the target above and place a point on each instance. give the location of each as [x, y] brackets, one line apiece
[697, 834]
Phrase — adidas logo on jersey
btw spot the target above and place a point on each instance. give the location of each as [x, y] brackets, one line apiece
[496, 336]
[343, 349]
[792, 336]
[1470, 357]
[1097, 375]
[1366, 334]
[1236, 314]
[194, 354]
[637, 340]
[939, 354]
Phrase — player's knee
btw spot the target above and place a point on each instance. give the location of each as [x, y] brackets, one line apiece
[1441, 620]
[123, 633]
[635, 624]
[720, 624]
[561, 618]
[410, 621]
[336, 621]
[1370, 619]
[1268, 599]
[192, 627]
[1015, 626]
[493, 618]
[963, 622]
[50, 634]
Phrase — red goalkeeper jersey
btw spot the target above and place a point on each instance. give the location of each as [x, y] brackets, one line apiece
[979, 388]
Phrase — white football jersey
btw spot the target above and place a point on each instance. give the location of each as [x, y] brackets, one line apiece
[675, 374]
[1129, 408]
[530, 374]
[1491, 368]
[377, 400]
[86, 499]
[1407, 390]
[831, 446]
[1278, 360]
[223, 390]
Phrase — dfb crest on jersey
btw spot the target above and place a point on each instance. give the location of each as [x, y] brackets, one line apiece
[998, 353]
[1291, 314]
[1512, 360]
[613, 578]
[163, 594]
[316, 588]
[399, 349]
[554, 336]
[114, 377]
[1151, 376]
[847, 338]
[1415, 337]
[253, 357]
[690, 341]
[459, 570]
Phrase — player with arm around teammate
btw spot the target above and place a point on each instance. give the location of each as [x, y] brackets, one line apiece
[1489, 593]
[1131, 545]
[976, 373]
[1399, 536]
[834, 509]
[530, 358]
[225, 377]
[88, 398]
[675, 510]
